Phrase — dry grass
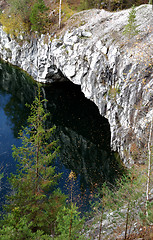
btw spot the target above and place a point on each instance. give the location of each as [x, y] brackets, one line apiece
[144, 233]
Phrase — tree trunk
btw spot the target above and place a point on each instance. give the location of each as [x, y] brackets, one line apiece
[60, 13]
[127, 221]
[101, 223]
[149, 167]
[70, 226]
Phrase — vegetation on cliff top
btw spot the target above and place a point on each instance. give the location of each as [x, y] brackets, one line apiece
[20, 16]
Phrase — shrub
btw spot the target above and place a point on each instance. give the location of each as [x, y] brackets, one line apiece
[67, 12]
[21, 8]
[13, 24]
[38, 16]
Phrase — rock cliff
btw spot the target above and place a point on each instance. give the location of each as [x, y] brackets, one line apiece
[114, 71]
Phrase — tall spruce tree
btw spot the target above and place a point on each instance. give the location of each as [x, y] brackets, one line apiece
[33, 191]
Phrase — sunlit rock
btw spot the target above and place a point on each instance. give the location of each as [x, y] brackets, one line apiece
[114, 71]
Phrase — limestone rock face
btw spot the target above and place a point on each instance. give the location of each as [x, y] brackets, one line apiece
[114, 71]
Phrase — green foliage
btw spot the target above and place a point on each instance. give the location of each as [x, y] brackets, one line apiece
[1, 176]
[24, 15]
[21, 8]
[103, 205]
[67, 12]
[15, 19]
[33, 185]
[131, 27]
[128, 198]
[20, 230]
[146, 215]
[110, 5]
[34, 15]
[38, 16]
[124, 201]
[13, 24]
[113, 91]
[87, 4]
[69, 223]
[150, 212]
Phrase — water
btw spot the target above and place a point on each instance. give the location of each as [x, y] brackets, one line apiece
[84, 135]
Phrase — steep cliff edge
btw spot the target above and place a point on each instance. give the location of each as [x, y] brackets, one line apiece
[114, 72]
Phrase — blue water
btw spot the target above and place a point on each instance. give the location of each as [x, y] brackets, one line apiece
[83, 135]
[8, 164]
[7, 139]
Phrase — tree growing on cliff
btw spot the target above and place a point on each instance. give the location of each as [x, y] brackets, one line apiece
[121, 205]
[34, 197]
[129, 198]
[131, 28]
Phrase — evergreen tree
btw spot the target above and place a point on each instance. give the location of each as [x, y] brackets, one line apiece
[38, 17]
[20, 230]
[128, 199]
[122, 205]
[131, 28]
[69, 222]
[33, 195]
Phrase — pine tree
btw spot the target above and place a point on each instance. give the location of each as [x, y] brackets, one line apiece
[131, 28]
[33, 186]
[38, 16]
[121, 206]
[69, 222]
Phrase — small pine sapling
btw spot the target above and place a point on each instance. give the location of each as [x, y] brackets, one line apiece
[69, 222]
[128, 199]
[131, 28]
[120, 204]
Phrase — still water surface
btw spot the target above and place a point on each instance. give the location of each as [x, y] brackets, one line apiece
[84, 135]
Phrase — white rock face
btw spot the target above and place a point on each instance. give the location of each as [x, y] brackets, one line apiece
[115, 72]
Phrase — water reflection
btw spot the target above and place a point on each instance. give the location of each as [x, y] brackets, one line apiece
[21, 89]
[84, 136]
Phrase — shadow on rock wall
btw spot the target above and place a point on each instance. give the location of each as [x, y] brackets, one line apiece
[83, 134]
